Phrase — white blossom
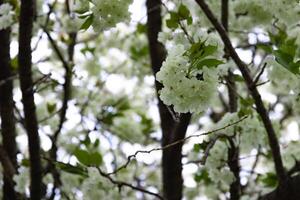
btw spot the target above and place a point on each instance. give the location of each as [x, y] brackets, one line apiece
[6, 16]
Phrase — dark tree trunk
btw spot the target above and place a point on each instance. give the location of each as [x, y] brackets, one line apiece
[171, 130]
[25, 72]
[7, 112]
[287, 191]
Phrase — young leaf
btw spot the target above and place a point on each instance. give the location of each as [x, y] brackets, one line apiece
[183, 11]
[51, 107]
[88, 22]
[209, 62]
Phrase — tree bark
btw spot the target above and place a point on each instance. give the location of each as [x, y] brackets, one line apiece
[7, 113]
[287, 191]
[233, 151]
[171, 130]
[27, 15]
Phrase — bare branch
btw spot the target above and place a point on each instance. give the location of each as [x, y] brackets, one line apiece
[181, 141]
[121, 184]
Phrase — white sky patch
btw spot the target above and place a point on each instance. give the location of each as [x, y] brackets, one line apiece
[14, 45]
[42, 47]
[138, 11]
[245, 55]
[187, 172]
[293, 131]
[73, 117]
[22, 142]
[117, 84]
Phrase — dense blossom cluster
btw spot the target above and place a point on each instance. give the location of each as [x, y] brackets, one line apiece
[257, 12]
[108, 13]
[128, 129]
[285, 83]
[105, 14]
[186, 92]
[251, 131]
[97, 187]
[6, 16]
[216, 162]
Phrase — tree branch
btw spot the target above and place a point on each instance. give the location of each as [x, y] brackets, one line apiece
[176, 142]
[233, 151]
[273, 142]
[27, 15]
[121, 184]
[8, 121]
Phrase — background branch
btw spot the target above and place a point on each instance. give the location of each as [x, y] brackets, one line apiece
[261, 110]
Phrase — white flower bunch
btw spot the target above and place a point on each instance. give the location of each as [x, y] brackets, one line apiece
[22, 180]
[107, 13]
[98, 187]
[6, 16]
[127, 128]
[262, 12]
[251, 130]
[186, 92]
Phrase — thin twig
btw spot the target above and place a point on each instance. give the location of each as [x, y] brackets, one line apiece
[260, 73]
[121, 184]
[130, 157]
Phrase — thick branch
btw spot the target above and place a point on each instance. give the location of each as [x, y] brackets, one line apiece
[171, 159]
[289, 191]
[273, 142]
[25, 73]
[8, 171]
[7, 111]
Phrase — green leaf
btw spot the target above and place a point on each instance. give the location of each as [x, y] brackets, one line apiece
[202, 176]
[171, 24]
[269, 180]
[244, 111]
[97, 142]
[295, 67]
[197, 148]
[51, 107]
[289, 47]
[14, 63]
[141, 28]
[202, 146]
[210, 62]
[86, 141]
[238, 78]
[95, 159]
[283, 58]
[174, 16]
[189, 20]
[78, 170]
[25, 162]
[88, 22]
[278, 38]
[82, 156]
[183, 11]
[247, 102]
[88, 158]
[200, 50]
[266, 47]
